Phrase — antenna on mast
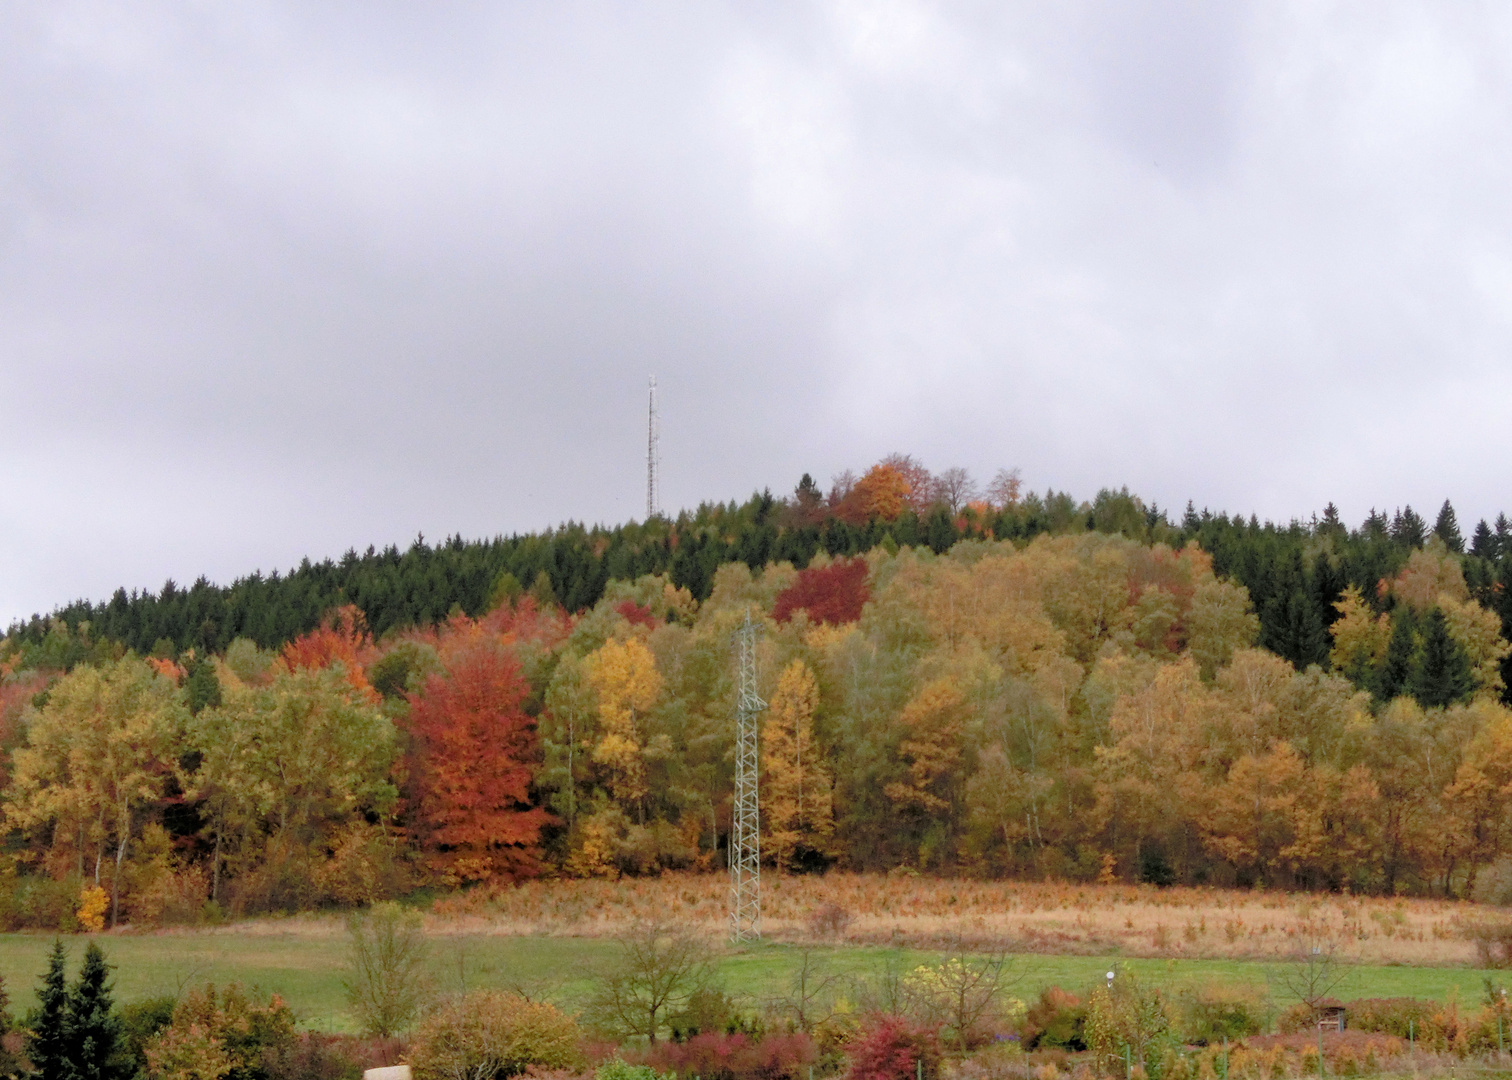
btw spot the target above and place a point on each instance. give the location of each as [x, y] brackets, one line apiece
[653, 453]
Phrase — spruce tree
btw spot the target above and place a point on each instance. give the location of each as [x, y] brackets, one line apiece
[49, 1041]
[94, 1029]
[1442, 674]
[1401, 656]
[1446, 528]
[202, 688]
[1408, 528]
[1290, 623]
[1482, 542]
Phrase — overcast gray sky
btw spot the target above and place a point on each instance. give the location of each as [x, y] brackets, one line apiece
[284, 279]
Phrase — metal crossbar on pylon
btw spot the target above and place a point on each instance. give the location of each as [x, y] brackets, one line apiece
[745, 833]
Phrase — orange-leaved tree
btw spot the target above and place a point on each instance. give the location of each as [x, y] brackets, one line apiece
[342, 637]
[473, 747]
[882, 493]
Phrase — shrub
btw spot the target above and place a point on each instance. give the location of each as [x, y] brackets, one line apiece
[312, 1056]
[140, 1021]
[1400, 1016]
[284, 880]
[226, 1030]
[1492, 938]
[1345, 1053]
[890, 1048]
[707, 1011]
[385, 957]
[365, 867]
[1494, 884]
[1129, 1023]
[1002, 1059]
[39, 902]
[93, 903]
[737, 1056]
[157, 888]
[188, 1052]
[1214, 1014]
[488, 1034]
[1057, 1020]
[829, 920]
[617, 1069]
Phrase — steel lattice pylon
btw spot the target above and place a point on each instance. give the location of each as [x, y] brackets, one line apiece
[745, 834]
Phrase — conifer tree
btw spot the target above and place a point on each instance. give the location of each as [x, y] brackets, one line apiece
[1408, 528]
[202, 688]
[1442, 674]
[1483, 544]
[1291, 625]
[1446, 528]
[1401, 655]
[49, 1041]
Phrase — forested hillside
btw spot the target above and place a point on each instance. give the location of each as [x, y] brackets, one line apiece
[988, 683]
[1295, 573]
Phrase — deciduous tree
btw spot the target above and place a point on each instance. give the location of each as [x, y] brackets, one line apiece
[95, 753]
[796, 788]
[296, 758]
[834, 593]
[471, 760]
[623, 674]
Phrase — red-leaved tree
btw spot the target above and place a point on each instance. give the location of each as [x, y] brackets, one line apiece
[470, 764]
[830, 594]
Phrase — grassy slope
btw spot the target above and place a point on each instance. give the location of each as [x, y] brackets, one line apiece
[307, 969]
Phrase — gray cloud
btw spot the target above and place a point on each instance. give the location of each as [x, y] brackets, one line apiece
[278, 280]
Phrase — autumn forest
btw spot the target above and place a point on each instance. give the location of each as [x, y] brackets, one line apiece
[962, 679]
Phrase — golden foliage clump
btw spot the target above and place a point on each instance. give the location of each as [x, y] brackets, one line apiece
[93, 902]
[624, 676]
[492, 1033]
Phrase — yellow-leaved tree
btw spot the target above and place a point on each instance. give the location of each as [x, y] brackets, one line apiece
[797, 808]
[624, 676]
[99, 749]
[1219, 622]
[933, 724]
[1478, 632]
[1360, 636]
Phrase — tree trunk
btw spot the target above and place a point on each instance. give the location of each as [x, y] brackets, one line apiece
[115, 882]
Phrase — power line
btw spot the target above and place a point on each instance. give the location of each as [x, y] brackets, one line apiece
[745, 835]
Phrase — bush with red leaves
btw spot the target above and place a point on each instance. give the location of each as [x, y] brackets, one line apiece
[890, 1048]
[830, 594]
[717, 1056]
[636, 614]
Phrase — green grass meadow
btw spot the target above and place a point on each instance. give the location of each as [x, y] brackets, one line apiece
[307, 970]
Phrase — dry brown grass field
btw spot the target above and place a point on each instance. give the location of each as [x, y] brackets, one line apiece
[1049, 918]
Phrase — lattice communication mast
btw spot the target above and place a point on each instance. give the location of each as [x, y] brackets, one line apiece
[653, 453]
[745, 836]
